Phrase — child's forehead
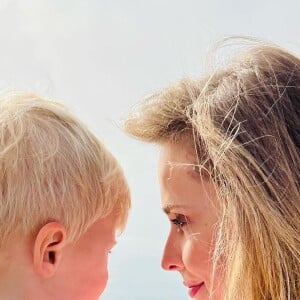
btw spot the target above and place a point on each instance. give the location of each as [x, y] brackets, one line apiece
[107, 224]
[102, 233]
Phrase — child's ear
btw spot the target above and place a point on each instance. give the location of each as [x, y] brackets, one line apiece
[48, 246]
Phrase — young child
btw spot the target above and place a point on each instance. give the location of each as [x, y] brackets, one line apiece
[62, 199]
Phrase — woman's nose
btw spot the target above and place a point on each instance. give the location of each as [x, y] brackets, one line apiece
[172, 258]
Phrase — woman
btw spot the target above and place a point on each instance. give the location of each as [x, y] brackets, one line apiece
[229, 176]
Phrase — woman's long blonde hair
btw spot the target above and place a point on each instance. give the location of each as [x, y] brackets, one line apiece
[244, 120]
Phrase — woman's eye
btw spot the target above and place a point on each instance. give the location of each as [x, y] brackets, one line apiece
[179, 221]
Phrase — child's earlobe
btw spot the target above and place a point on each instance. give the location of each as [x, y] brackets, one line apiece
[48, 245]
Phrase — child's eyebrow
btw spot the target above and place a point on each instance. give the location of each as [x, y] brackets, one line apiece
[113, 242]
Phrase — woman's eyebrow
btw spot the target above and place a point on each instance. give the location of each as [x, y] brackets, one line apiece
[168, 208]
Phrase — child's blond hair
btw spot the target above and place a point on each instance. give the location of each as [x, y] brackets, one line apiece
[52, 168]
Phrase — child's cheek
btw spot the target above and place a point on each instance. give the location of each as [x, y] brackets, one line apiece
[96, 285]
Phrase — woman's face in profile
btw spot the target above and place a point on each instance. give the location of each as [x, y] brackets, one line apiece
[188, 203]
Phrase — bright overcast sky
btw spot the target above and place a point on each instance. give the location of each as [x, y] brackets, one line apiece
[99, 57]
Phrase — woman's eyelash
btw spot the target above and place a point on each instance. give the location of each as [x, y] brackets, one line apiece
[179, 222]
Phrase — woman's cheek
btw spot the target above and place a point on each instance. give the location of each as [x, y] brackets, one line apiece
[196, 256]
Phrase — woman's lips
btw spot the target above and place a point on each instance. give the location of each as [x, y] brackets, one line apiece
[193, 289]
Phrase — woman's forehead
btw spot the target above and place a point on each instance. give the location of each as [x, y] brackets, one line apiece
[178, 152]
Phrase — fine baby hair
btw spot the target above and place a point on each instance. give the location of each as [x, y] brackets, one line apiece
[53, 169]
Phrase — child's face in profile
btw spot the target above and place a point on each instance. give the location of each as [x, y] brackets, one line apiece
[188, 203]
[82, 273]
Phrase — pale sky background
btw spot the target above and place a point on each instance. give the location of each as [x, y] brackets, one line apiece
[99, 57]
